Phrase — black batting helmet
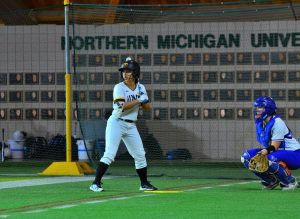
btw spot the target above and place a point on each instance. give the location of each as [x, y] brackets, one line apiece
[132, 66]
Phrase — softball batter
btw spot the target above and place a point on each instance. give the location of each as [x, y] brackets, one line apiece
[128, 96]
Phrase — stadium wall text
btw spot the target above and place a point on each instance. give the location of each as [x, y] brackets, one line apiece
[182, 41]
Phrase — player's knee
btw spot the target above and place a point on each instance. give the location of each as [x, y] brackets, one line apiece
[139, 156]
[272, 158]
[245, 159]
[273, 163]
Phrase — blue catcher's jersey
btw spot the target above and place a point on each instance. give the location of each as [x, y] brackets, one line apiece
[276, 130]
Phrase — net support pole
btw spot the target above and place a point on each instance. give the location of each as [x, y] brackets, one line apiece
[67, 168]
[68, 86]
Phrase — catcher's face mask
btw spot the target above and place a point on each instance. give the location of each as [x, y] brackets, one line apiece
[267, 104]
[258, 112]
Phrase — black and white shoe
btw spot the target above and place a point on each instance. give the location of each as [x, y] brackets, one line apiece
[290, 187]
[96, 188]
[147, 187]
[269, 186]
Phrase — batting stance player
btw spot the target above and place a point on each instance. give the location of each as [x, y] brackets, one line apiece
[128, 97]
[282, 150]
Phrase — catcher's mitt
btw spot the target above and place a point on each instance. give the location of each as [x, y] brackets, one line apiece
[259, 163]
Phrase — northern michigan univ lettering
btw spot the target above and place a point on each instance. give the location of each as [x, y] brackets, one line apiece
[181, 41]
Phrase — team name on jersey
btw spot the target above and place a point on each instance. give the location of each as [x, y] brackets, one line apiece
[132, 97]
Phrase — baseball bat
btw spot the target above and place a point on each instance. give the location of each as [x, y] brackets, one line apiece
[2, 152]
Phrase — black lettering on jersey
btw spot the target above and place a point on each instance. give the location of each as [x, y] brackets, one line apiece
[132, 97]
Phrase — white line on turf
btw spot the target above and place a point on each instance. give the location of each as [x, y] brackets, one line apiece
[122, 198]
[64, 206]
[94, 202]
[35, 211]
[118, 198]
[87, 202]
[221, 185]
[47, 181]
[242, 183]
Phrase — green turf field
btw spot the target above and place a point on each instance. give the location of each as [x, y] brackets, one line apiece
[209, 197]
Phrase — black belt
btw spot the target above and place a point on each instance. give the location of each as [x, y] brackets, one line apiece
[127, 120]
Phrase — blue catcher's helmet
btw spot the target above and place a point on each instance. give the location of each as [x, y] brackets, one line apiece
[133, 66]
[268, 104]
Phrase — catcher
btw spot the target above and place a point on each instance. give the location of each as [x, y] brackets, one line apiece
[281, 152]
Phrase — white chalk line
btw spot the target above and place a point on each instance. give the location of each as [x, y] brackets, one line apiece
[124, 198]
[48, 181]
[221, 185]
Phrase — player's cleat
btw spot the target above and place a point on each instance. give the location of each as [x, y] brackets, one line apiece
[269, 186]
[147, 187]
[290, 186]
[272, 185]
[282, 185]
[96, 188]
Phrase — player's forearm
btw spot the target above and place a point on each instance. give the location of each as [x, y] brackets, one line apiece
[273, 147]
[146, 106]
[276, 144]
[129, 105]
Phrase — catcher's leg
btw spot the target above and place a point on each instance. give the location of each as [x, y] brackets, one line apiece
[268, 180]
[282, 172]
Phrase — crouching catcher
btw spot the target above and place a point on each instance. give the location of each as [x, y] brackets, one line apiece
[281, 152]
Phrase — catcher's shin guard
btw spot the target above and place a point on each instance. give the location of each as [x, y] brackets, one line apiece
[268, 180]
[281, 171]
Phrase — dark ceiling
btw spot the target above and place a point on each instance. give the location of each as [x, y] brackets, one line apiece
[30, 12]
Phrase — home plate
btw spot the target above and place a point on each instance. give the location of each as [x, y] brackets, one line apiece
[163, 191]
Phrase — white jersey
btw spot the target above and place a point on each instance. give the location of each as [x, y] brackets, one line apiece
[280, 132]
[122, 94]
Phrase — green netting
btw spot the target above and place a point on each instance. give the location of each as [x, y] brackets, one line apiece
[203, 65]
